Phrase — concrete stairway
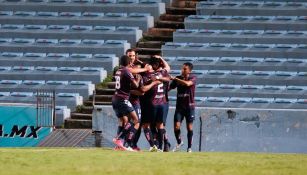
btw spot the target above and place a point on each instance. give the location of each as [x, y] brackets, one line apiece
[150, 44]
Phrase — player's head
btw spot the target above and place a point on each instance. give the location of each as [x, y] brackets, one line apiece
[125, 60]
[186, 68]
[154, 62]
[131, 53]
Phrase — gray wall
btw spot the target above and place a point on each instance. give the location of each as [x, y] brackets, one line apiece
[230, 130]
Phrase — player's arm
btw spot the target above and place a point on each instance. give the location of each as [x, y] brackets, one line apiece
[161, 78]
[137, 92]
[165, 64]
[149, 86]
[136, 70]
[183, 82]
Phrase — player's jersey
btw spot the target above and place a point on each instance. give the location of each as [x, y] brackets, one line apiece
[185, 94]
[164, 73]
[158, 94]
[146, 78]
[123, 79]
[135, 99]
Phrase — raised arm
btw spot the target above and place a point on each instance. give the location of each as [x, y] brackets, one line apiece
[165, 64]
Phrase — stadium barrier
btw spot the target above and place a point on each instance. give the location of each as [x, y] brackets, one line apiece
[227, 129]
[26, 125]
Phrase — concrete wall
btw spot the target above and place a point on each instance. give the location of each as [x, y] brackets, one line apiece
[228, 129]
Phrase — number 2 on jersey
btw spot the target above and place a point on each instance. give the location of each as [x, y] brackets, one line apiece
[160, 87]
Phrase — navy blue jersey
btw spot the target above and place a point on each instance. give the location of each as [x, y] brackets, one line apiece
[123, 79]
[185, 94]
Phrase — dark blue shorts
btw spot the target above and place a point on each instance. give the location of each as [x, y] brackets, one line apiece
[137, 109]
[188, 114]
[121, 107]
[160, 113]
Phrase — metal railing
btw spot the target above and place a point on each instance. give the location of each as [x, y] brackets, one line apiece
[45, 105]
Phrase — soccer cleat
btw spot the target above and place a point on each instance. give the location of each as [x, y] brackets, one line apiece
[160, 150]
[178, 146]
[130, 149]
[189, 150]
[117, 148]
[118, 142]
[136, 149]
[167, 147]
[153, 149]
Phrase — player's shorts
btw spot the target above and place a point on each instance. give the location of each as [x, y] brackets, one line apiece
[188, 114]
[122, 107]
[146, 112]
[137, 109]
[160, 113]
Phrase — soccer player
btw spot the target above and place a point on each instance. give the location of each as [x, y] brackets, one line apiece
[124, 81]
[185, 105]
[158, 101]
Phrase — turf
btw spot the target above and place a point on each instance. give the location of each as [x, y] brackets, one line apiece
[76, 161]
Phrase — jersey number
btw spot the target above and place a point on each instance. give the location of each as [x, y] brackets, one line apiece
[117, 82]
[160, 87]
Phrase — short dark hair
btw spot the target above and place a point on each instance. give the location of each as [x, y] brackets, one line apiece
[124, 60]
[154, 60]
[130, 50]
[190, 65]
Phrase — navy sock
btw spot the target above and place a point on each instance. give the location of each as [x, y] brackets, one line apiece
[161, 133]
[177, 135]
[137, 137]
[124, 131]
[130, 136]
[190, 138]
[148, 136]
[119, 129]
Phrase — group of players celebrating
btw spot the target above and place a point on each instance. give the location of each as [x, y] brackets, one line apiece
[141, 101]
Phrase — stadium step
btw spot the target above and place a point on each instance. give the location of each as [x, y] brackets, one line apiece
[149, 51]
[101, 97]
[168, 17]
[170, 24]
[180, 11]
[77, 123]
[184, 3]
[101, 91]
[81, 116]
[149, 37]
[150, 44]
[90, 103]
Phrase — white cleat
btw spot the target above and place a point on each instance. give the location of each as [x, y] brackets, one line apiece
[178, 147]
[189, 150]
[153, 149]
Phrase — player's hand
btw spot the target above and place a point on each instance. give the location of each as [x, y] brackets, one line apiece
[171, 77]
[148, 67]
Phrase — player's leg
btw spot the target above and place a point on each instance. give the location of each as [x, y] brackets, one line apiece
[137, 109]
[178, 117]
[190, 116]
[133, 129]
[167, 144]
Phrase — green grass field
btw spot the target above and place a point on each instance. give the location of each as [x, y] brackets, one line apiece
[76, 161]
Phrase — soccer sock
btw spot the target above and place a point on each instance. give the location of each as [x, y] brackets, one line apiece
[148, 136]
[177, 135]
[131, 135]
[161, 133]
[154, 133]
[119, 129]
[124, 131]
[137, 136]
[190, 138]
[165, 137]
